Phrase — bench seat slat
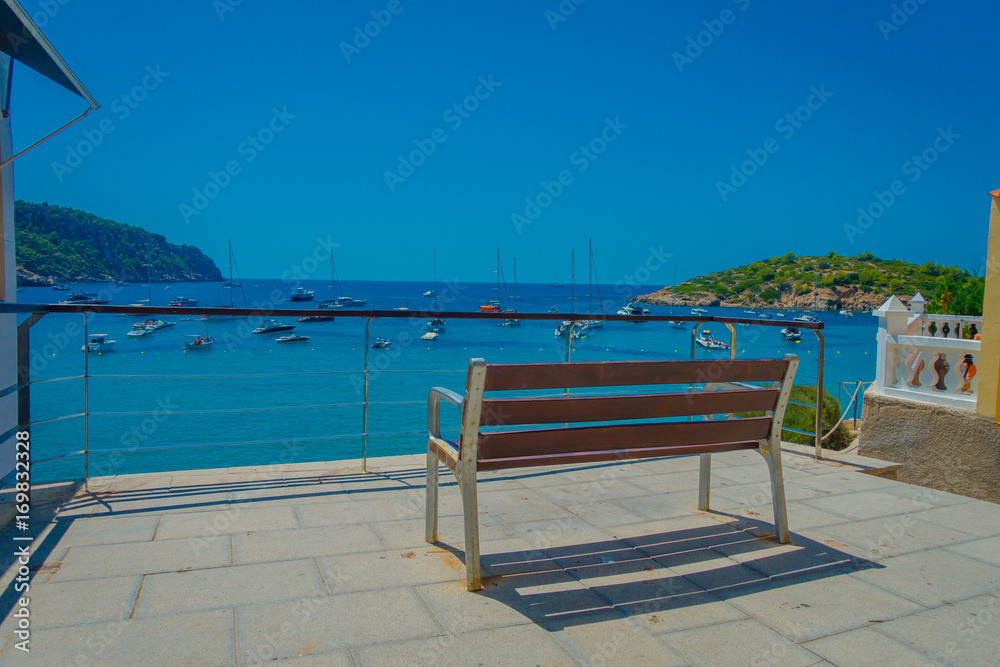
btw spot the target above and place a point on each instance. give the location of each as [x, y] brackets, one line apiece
[554, 410]
[507, 377]
[611, 455]
[515, 444]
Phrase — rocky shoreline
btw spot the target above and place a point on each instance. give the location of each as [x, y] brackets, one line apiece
[825, 298]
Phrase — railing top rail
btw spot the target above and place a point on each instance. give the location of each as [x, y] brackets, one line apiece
[385, 314]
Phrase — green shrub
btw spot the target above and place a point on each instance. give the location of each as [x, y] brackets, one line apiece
[803, 418]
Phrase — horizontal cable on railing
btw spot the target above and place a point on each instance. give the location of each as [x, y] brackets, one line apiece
[227, 444]
[72, 377]
[58, 458]
[805, 405]
[795, 430]
[225, 410]
[36, 422]
[216, 377]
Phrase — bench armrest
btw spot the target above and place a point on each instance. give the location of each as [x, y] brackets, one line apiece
[434, 398]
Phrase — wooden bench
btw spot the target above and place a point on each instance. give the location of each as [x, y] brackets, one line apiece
[555, 436]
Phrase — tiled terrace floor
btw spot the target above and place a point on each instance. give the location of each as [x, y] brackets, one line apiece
[606, 565]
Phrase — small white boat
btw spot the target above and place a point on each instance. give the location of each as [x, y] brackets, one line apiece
[430, 335]
[138, 332]
[510, 323]
[847, 313]
[436, 324]
[804, 318]
[317, 318]
[792, 334]
[706, 340]
[98, 343]
[291, 338]
[750, 312]
[595, 324]
[764, 316]
[675, 324]
[779, 314]
[270, 326]
[579, 330]
[348, 302]
[183, 301]
[85, 298]
[699, 311]
[633, 308]
[563, 328]
[301, 294]
[195, 342]
[381, 343]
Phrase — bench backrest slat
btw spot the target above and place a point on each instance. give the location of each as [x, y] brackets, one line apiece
[508, 444]
[555, 410]
[505, 377]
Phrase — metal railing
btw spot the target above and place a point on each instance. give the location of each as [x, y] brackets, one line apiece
[36, 311]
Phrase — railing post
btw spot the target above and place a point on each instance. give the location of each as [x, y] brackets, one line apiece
[732, 340]
[819, 394]
[694, 335]
[86, 405]
[364, 416]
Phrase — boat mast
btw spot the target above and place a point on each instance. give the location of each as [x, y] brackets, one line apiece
[434, 294]
[572, 279]
[498, 276]
[230, 279]
[149, 274]
[515, 285]
[590, 275]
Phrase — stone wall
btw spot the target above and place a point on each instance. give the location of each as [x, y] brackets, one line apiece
[949, 449]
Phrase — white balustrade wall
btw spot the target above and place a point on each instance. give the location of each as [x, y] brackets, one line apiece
[922, 357]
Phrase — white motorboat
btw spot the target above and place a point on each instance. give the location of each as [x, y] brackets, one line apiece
[381, 343]
[196, 342]
[436, 324]
[139, 332]
[847, 313]
[792, 334]
[706, 340]
[804, 318]
[563, 328]
[699, 311]
[86, 298]
[271, 326]
[430, 335]
[98, 343]
[675, 324]
[301, 294]
[183, 302]
[579, 330]
[292, 338]
[633, 308]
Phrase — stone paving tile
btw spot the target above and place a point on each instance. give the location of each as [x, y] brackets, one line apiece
[409, 533]
[682, 463]
[565, 531]
[773, 559]
[663, 505]
[744, 642]
[239, 519]
[987, 550]
[934, 577]
[143, 558]
[294, 494]
[814, 606]
[848, 481]
[685, 480]
[361, 511]
[753, 474]
[760, 493]
[107, 530]
[926, 495]
[890, 536]
[976, 517]
[966, 633]
[708, 570]
[340, 658]
[5, 643]
[517, 505]
[510, 557]
[371, 571]
[509, 600]
[867, 504]
[161, 503]
[543, 476]
[283, 545]
[591, 492]
[78, 602]
[609, 638]
[605, 514]
[520, 645]
[223, 587]
[864, 647]
[202, 638]
[137, 482]
[291, 628]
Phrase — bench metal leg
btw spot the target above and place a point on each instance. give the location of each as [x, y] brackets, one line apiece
[704, 482]
[431, 512]
[470, 510]
[773, 458]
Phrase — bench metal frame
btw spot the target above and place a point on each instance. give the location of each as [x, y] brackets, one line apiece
[462, 458]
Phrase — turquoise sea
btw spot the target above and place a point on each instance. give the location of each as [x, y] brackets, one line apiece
[299, 402]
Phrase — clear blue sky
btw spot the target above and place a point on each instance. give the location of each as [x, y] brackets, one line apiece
[886, 93]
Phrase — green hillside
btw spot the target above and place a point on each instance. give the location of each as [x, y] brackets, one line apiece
[58, 244]
[862, 282]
